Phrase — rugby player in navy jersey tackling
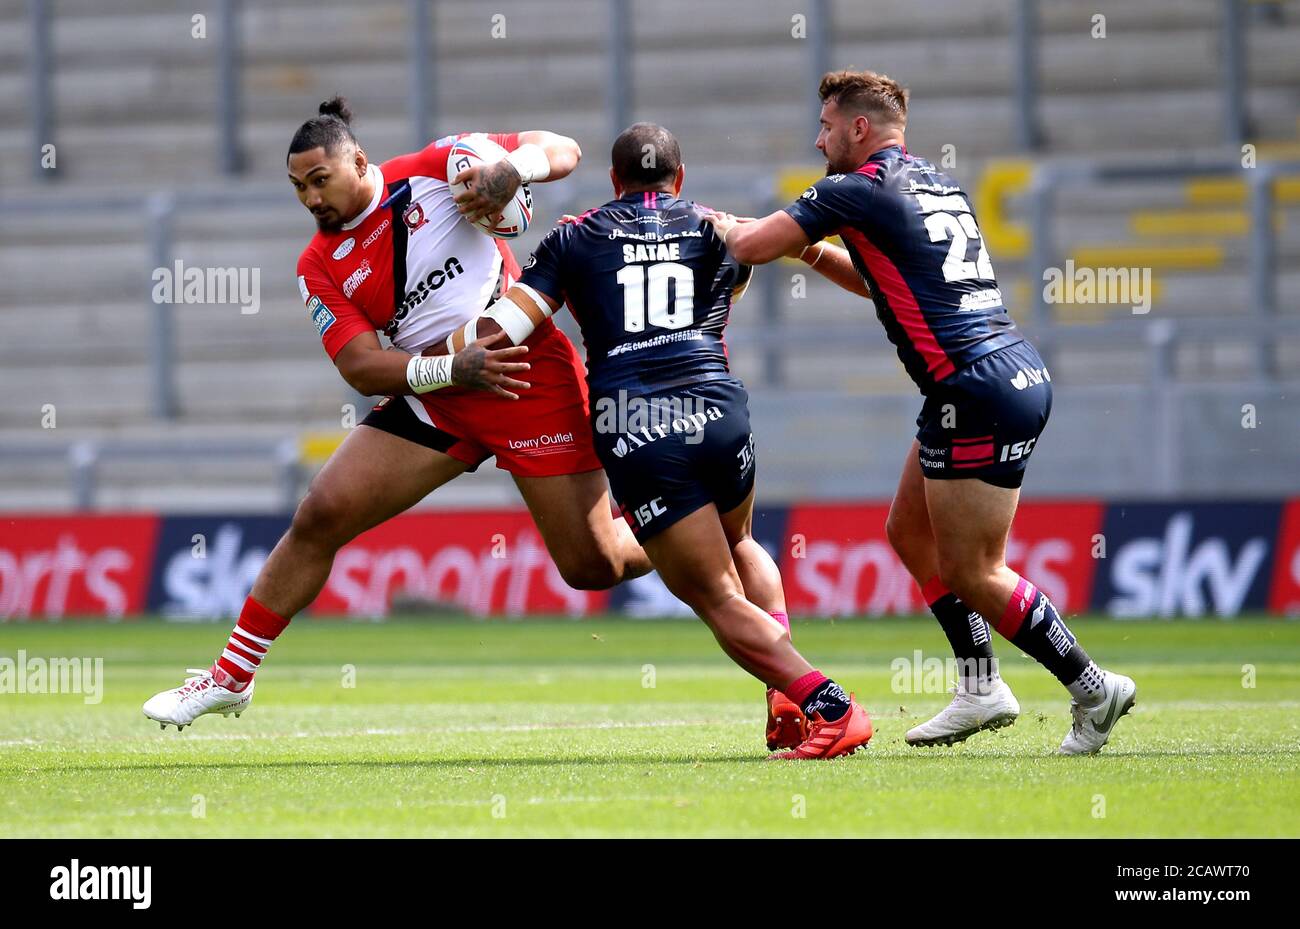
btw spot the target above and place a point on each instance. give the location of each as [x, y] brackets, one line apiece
[913, 243]
[651, 285]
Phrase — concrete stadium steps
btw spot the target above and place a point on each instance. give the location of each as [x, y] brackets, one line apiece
[119, 333]
[760, 133]
[192, 483]
[136, 100]
[143, 61]
[120, 330]
[280, 390]
[276, 85]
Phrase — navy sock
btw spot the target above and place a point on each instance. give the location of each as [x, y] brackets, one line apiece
[829, 699]
[968, 634]
[1033, 625]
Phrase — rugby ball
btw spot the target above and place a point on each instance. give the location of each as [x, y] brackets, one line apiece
[480, 150]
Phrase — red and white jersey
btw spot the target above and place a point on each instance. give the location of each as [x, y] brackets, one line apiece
[409, 265]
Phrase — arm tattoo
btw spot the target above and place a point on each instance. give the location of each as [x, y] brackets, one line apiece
[498, 183]
[467, 367]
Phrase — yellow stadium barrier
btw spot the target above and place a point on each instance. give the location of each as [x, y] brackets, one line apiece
[315, 447]
[1231, 191]
[791, 182]
[1002, 178]
[1174, 223]
[1181, 257]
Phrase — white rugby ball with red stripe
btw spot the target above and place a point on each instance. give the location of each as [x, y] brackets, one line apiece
[480, 150]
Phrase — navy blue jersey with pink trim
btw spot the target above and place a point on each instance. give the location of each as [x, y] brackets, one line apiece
[650, 285]
[912, 235]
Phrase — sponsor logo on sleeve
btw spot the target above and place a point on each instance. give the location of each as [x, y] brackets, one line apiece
[321, 316]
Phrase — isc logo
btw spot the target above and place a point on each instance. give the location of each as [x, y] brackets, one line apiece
[1018, 450]
[648, 511]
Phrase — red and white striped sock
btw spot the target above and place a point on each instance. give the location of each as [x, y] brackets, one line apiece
[252, 636]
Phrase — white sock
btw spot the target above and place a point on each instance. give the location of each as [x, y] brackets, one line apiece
[1090, 688]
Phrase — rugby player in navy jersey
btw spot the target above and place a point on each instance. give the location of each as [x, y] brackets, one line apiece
[651, 285]
[912, 241]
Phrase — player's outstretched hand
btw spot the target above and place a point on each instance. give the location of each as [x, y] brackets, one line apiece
[476, 365]
[490, 189]
[722, 223]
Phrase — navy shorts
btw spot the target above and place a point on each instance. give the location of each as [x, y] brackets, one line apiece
[669, 454]
[984, 420]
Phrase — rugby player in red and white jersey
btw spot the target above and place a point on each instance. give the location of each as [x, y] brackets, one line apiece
[396, 253]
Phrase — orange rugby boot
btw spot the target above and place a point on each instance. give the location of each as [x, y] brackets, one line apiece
[786, 724]
[826, 739]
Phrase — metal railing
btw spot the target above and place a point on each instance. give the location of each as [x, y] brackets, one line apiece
[1050, 177]
[159, 211]
[83, 459]
[423, 73]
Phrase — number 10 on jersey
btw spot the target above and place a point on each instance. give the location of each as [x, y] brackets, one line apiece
[647, 287]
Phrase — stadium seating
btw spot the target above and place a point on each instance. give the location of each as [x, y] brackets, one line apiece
[136, 98]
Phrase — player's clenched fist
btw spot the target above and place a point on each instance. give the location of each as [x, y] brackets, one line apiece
[476, 365]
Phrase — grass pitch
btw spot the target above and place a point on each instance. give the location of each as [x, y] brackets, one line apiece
[636, 728]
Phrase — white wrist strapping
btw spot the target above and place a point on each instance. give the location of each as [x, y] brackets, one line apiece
[531, 162]
[424, 373]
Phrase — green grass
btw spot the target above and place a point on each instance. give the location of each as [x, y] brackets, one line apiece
[549, 724]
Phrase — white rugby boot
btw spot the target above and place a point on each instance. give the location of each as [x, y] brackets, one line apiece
[967, 714]
[198, 696]
[1092, 725]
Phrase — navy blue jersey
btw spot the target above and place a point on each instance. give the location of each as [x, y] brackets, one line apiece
[650, 284]
[912, 236]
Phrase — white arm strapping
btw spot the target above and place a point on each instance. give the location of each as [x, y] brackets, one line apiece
[531, 162]
[512, 319]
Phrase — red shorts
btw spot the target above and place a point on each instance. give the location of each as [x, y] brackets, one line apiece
[546, 432]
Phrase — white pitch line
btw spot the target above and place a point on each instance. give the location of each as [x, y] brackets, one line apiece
[522, 727]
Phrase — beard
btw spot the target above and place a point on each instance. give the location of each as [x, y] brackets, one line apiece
[836, 166]
[839, 158]
[330, 225]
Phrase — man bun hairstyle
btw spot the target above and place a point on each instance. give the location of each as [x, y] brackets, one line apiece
[328, 130]
[645, 155]
[878, 97]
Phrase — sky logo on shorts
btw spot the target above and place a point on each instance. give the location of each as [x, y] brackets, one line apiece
[321, 316]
